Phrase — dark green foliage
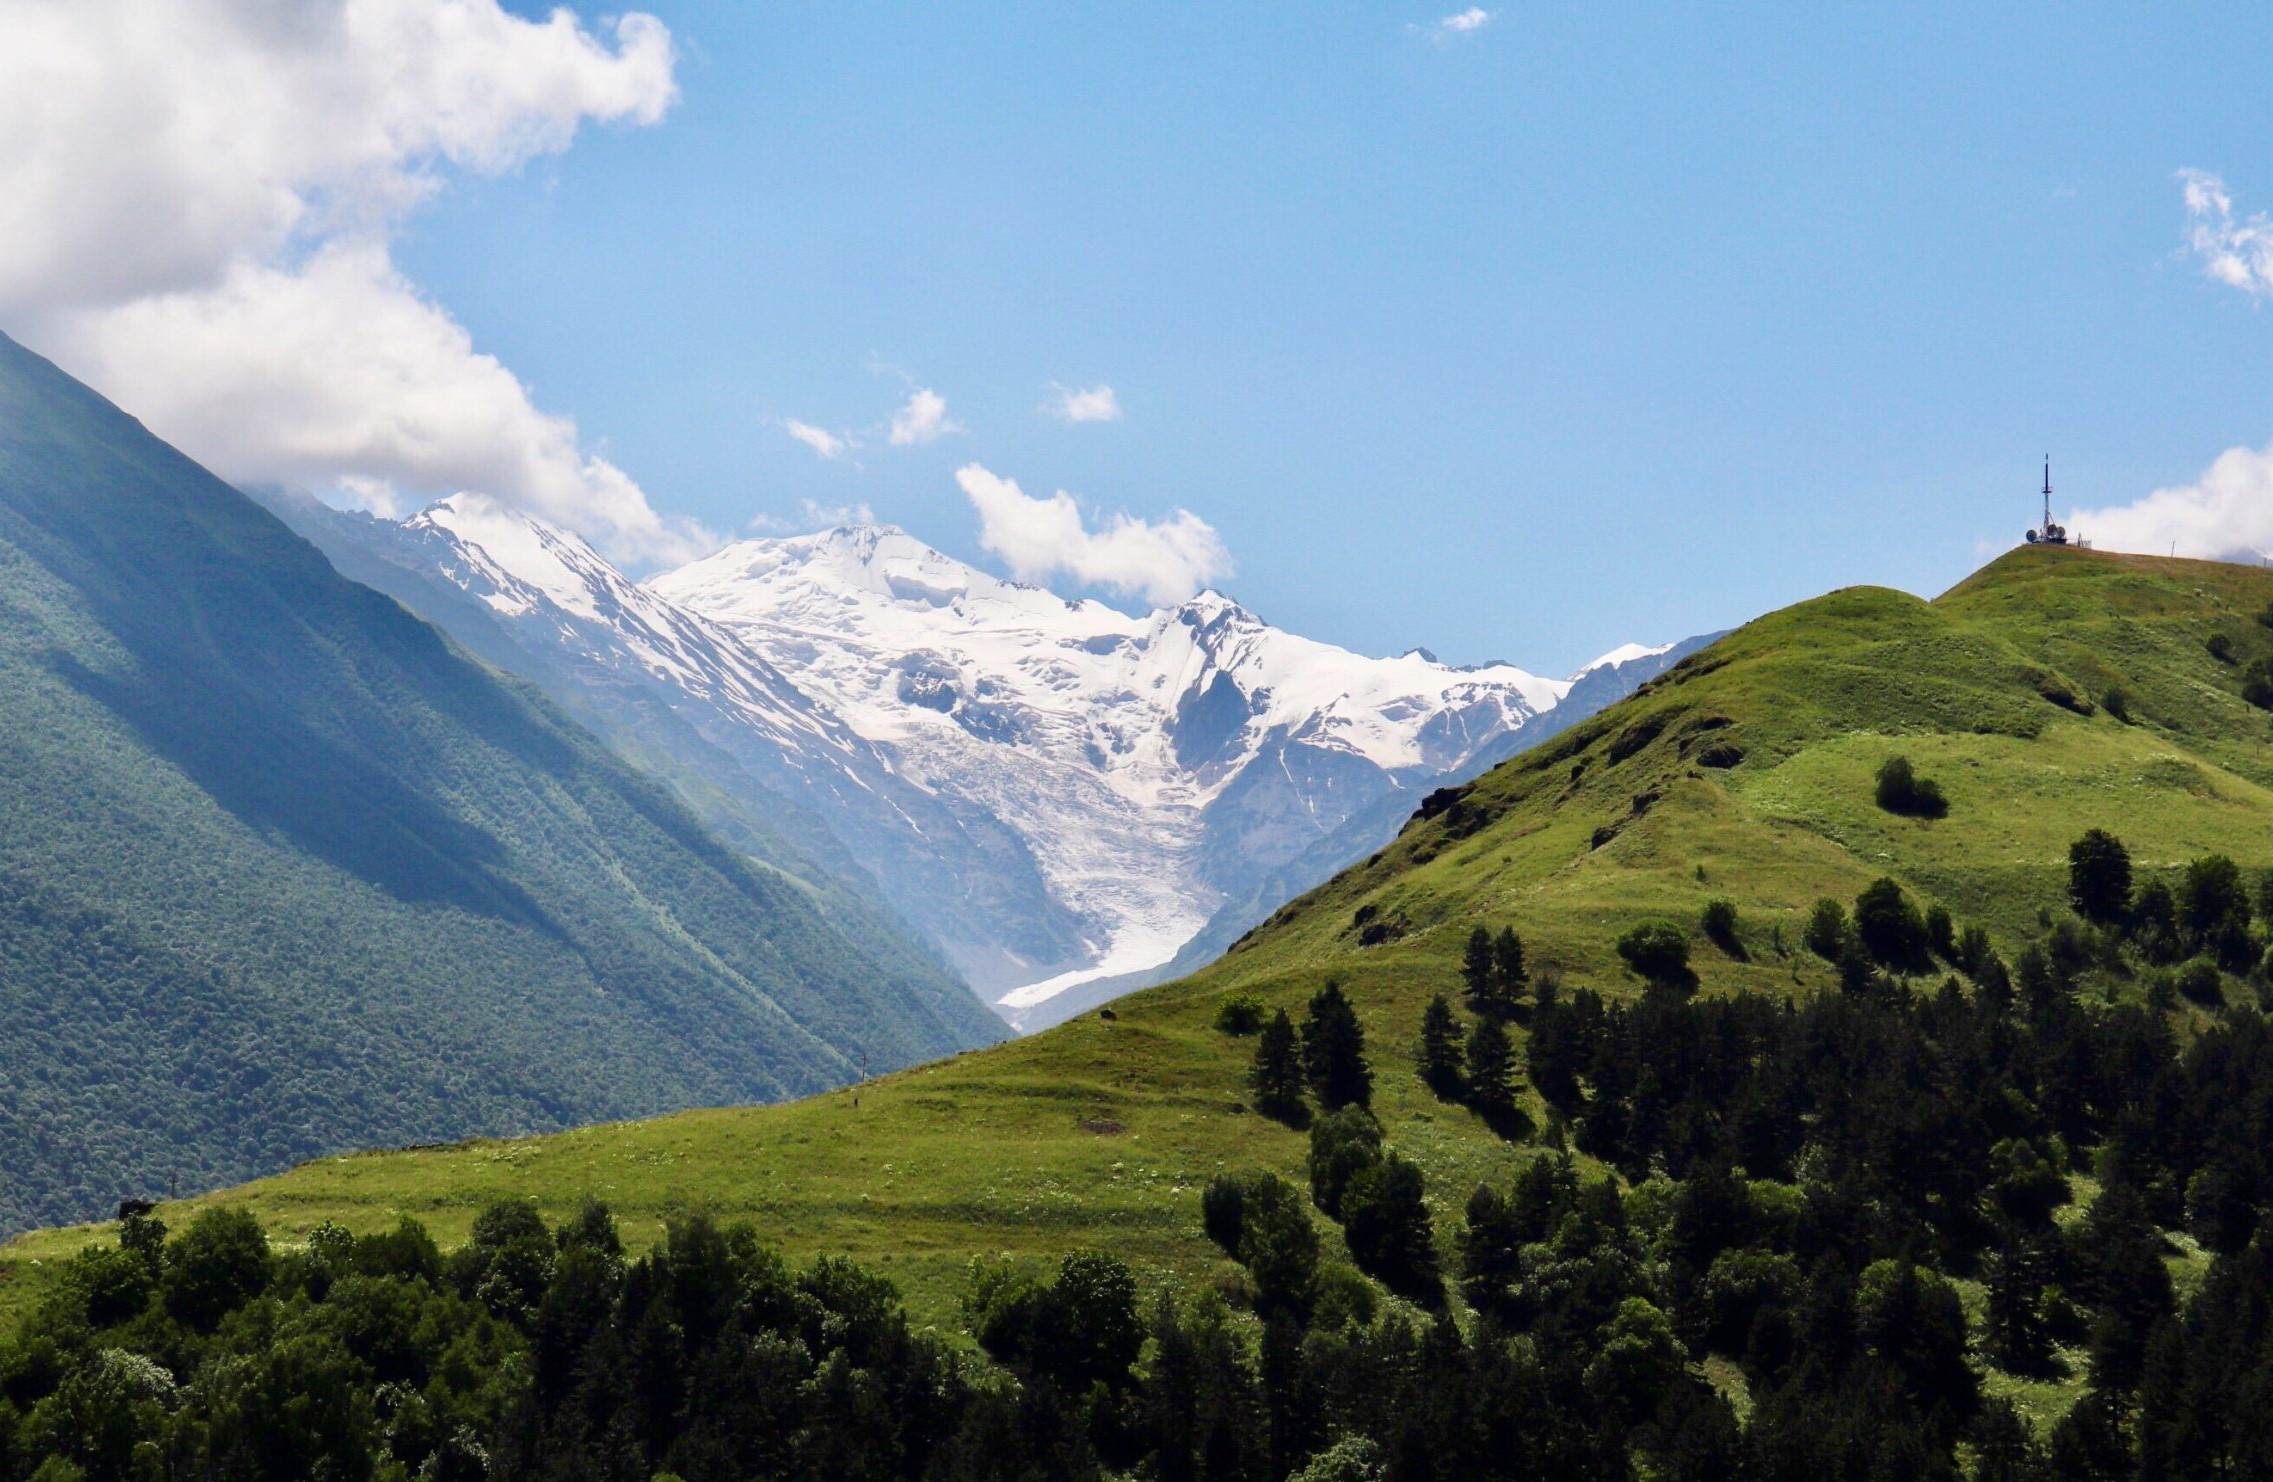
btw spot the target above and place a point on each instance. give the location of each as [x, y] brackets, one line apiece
[2214, 912]
[1223, 1211]
[1941, 934]
[1890, 929]
[1239, 1013]
[1387, 1224]
[219, 1263]
[1491, 1069]
[1826, 930]
[1276, 1076]
[2257, 684]
[1901, 790]
[1277, 1244]
[2201, 982]
[1658, 951]
[282, 872]
[2221, 647]
[2116, 701]
[1719, 922]
[1493, 972]
[1437, 1051]
[1342, 1144]
[2099, 877]
[1333, 1050]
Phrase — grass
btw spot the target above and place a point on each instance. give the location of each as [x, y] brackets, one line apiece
[1101, 1133]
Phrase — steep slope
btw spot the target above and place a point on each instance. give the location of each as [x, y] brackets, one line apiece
[281, 871]
[1103, 1130]
[1069, 800]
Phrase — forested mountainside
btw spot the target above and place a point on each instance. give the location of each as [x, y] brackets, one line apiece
[1845, 1057]
[283, 872]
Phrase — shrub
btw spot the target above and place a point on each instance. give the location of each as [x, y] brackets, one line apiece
[2202, 983]
[1901, 790]
[1239, 1013]
[1941, 933]
[1826, 929]
[1890, 928]
[1659, 952]
[2116, 701]
[1223, 1211]
[1386, 1222]
[2221, 647]
[1720, 927]
[2257, 684]
[2099, 876]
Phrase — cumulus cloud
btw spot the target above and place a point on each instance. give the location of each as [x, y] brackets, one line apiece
[823, 442]
[201, 195]
[1162, 561]
[921, 419]
[1462, 23]
[2235, 252]
[1095, 404]
[2226, 513]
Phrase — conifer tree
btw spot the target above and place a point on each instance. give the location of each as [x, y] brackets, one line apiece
[1476, 968]
[1333, 1050]
[1438, 1057]
[1277, 1075]
[1509, 973]
[1491, 1068]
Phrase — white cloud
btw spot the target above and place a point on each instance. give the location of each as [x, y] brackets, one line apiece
[2226, 513]
[1463, 23]
[1164, 561]
[813, 515]
[1095, 404]
[822, 441]
[921, 419]
[200, 194]
[2238, 254]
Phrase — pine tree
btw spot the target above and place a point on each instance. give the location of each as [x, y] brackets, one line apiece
[1477, 969]
[1491, 1068]
[2015, 1339]
[1509, 973]
[1333, 1050]
[1438, 1057]
[1277, 1075]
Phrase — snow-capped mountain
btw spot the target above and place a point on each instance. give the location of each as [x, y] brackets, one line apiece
[1066, 798]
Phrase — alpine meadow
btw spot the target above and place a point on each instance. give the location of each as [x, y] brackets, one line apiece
[1168, 744]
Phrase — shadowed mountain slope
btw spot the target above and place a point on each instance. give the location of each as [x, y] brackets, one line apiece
[283, 871]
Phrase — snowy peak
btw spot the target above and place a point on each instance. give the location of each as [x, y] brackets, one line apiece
[1055, 790]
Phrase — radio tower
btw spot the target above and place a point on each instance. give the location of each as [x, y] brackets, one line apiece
[2048, 533]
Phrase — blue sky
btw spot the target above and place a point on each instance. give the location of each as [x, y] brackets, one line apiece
[1583, 325]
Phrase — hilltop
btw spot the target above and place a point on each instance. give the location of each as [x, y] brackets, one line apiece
[1745, 773]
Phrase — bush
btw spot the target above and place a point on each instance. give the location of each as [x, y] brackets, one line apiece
[1720, 928]
[1386, 1222]
[1223, 1211]
[1901, 790]
[1239, 1013]
[2099, 876]
[2257, 684]
[2221, 647]
[1659, 952]
[1941, 934]
[1826, 929]
[2202, 983]
[1890, 928]
[219, 1264]
[2116, 701]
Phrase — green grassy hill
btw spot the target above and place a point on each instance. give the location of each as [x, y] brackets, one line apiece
[1746, 774]
[282, 871]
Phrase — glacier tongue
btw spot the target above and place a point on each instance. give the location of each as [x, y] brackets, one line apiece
[1065, 797]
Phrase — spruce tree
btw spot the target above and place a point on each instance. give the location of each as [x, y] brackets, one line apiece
[1509, 973]
[1277, 1075]
[1476, 969]
[1438, 1057]
[1333, 1051]
[1491, 1068]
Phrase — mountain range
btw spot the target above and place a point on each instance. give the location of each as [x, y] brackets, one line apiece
[1066, 799]
[283, 870]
